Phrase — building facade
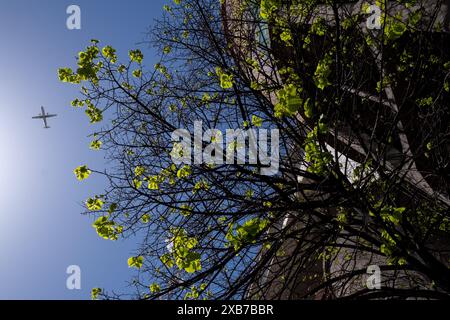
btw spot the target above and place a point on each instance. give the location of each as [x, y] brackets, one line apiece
[251, 38]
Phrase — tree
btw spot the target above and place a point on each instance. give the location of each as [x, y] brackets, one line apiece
[363, 126]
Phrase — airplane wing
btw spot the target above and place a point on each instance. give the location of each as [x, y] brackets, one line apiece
[37, 117]
[50, 115]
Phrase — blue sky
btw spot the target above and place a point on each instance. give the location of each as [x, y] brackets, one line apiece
[41, 229]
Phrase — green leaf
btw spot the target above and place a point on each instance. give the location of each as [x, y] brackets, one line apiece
[95, 115]
[95, 292]
[137, 183]
[425, 102]
[145, 218]
[112, 208]
[246, 233]
[201, 185]
[185, 210]
[139, 171]
[286, 37]
[289, 101]
[167, 260]
[308, 107]
[67, 75]
[137, 73]
[109, 53]
[136, 56]
[395, 29]
[135, 262]
[318, 158]
[257, 121]
[225, 80]
[194, 265]
[322, 73]
[95, 145]
[268, 7]
[182, 252]
[121, 68]
[155, 288]
[94, 204]
[153, 183]
[106, 228]
[77, 103]
[82, 172]
[184, 172]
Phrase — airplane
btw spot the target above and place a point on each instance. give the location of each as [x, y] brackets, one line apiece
[44, 117]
